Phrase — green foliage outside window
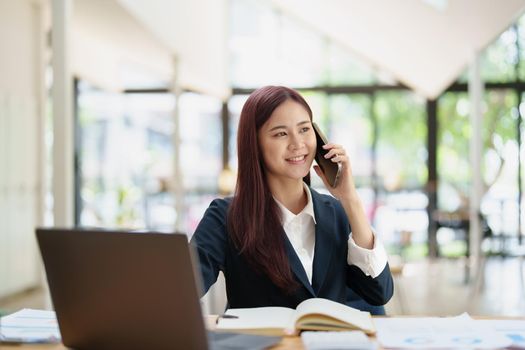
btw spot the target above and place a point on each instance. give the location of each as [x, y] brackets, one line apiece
[402, 154]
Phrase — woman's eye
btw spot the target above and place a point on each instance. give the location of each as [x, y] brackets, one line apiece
[305, 129]
[279, 134]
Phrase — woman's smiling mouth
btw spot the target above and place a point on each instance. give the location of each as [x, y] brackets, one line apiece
[297, 160]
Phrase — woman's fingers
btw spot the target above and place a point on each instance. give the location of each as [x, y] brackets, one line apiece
[334, 150]
[332, 145]
[339, 158]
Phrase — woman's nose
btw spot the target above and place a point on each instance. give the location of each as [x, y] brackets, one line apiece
[296, 142]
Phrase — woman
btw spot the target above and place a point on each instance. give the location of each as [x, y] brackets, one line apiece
[278, 241]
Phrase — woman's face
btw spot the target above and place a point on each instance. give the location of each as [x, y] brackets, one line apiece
[287, 141]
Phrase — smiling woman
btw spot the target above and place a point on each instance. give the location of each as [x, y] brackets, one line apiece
[288, 144]
[278, 241]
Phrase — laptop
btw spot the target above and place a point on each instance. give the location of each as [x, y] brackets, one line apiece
[127, 290]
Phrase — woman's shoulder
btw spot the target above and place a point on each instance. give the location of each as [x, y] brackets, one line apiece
[328, 202]
[329, 212]
[323, 197]
[223, 202]
[214, 218]
[219, 205]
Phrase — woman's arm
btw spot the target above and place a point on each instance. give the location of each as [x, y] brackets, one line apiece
[210, 242]
[346, 193]
[375, 291]
[368, 273]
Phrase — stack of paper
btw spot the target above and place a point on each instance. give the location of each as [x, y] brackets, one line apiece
[30, 326]
[512, 329]
[439, 333]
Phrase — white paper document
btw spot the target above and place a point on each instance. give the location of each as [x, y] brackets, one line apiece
[512, 329]
[30, 326]
[460, 332]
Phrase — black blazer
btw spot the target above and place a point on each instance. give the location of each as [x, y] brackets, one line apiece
[331, 272]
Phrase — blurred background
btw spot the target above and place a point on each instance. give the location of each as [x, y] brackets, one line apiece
[123, 114]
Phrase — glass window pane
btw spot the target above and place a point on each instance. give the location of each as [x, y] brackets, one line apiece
[498, 60]
[499, 168]
[521, 41]
[522, 162]
[401, 147]
[201, 142]
[117, 189]
[453, 150]
[500, 162]
[453, 165]
[400, 213]
[235, 107]
[201, 154]
[350, 125]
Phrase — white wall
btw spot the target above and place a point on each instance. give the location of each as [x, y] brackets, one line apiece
[20, 143]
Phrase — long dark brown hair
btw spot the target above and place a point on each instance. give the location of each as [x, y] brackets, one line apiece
[254, 219]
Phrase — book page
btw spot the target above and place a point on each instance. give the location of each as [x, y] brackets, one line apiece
[258, 318]
[360, 319]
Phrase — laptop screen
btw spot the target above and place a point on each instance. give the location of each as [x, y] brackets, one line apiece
[115, 289]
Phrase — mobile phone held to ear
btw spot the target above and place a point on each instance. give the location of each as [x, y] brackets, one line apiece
[330, 169]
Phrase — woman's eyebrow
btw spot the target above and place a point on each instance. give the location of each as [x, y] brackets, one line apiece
[277, 127]
[284, 127]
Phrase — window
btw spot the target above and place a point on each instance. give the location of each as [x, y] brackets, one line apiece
[201, 154]
[125, 158]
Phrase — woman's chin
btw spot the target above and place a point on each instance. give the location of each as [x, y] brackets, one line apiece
[300, 175]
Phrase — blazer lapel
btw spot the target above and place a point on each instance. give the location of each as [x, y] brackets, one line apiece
[324, 239]
[296, 265]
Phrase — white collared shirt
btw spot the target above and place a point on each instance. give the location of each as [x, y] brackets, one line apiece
[300, 230]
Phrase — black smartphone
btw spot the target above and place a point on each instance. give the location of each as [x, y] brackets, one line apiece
[330, 169]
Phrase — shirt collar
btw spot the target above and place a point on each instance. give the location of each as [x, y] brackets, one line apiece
[288, 216]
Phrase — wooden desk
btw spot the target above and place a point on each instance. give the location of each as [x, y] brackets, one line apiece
[286, 343]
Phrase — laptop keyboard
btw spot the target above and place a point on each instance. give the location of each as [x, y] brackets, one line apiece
[223, 341]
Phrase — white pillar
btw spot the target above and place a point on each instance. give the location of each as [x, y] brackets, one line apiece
[40, 93]
[178, 184]
[62, 115]
[475, 88]
[40, 118]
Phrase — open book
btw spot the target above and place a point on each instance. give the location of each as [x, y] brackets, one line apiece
[312, 314]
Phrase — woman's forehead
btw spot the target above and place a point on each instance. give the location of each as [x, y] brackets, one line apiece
[288, 113]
